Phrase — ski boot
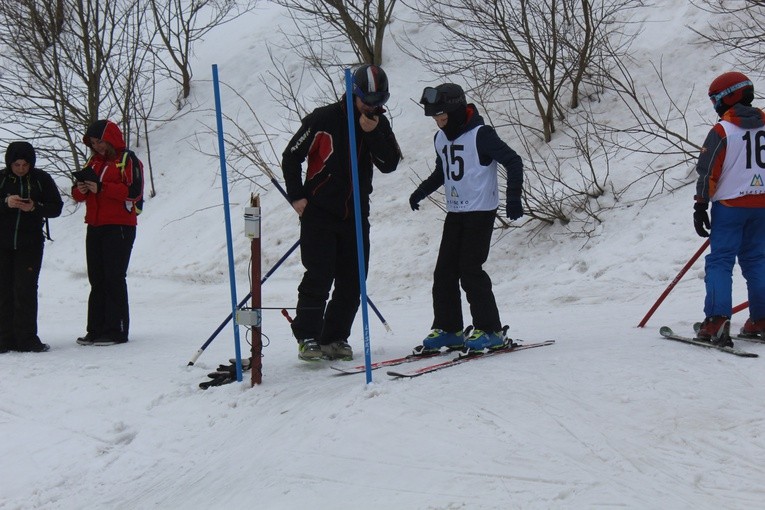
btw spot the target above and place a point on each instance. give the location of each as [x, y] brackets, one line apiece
[439, 338]
[753, 328]
[480, 340]
[337, 350]
[309, 350]
[716, 330]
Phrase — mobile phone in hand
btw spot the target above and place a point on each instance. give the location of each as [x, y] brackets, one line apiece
[379, 110]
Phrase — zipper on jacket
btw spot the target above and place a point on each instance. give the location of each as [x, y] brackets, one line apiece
[18, 211]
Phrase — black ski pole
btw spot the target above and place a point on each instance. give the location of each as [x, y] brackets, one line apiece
[369, 301]
[241, 304]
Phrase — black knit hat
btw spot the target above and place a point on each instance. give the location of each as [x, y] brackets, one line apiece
[20, 150]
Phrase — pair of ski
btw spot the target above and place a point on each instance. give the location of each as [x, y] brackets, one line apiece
[511, 346]
[667, 333]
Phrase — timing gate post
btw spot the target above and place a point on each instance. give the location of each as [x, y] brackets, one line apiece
[252, 230]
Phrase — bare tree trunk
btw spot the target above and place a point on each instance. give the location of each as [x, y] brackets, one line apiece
[361, 24]
[180, 25]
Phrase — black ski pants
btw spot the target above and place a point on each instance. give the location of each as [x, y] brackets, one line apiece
[464, 249]
[19, 275]
[107, 250]
[329, 254]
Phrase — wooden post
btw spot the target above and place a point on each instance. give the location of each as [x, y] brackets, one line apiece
[257, 341]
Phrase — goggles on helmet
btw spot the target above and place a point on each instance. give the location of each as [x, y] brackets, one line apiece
[717, 98]
[371, 98]
[438, 100]
[431, 95]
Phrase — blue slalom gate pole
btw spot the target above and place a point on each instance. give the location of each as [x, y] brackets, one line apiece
[229, 243]
[357, 214]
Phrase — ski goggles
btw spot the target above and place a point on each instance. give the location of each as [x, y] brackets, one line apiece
[431, 95]
[717, 98]
[371, 98]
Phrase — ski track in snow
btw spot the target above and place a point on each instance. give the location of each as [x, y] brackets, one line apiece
[607, 417]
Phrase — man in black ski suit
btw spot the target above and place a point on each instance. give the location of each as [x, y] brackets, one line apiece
[324, 203]
[29, 196]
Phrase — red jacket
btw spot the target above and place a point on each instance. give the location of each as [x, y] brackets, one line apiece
[112, 204]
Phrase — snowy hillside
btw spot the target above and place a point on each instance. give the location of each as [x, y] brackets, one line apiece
[611, 416]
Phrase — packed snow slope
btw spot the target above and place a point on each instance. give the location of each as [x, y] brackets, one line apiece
[611, 416]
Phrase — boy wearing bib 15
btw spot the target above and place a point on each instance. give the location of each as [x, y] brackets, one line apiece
[467, 154]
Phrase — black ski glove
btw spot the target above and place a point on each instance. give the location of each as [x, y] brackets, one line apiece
[218, 379]
[701, 219]
[513, 207]
[417, 197]
[226, 374]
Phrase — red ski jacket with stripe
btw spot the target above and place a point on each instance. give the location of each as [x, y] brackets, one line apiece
[119, 188]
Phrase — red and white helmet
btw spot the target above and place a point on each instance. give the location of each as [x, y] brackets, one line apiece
[729, 89]
[370, 84]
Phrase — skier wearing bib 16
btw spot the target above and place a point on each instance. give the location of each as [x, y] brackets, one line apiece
[467, 154]
[731, 170]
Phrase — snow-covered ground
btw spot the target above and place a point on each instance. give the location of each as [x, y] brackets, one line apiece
[611, 416]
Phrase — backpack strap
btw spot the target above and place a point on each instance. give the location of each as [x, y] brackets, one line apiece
[134, 179]
[123, 162]
[47, 230]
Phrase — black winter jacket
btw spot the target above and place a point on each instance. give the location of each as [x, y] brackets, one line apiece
[323, 140]
[18, 228]
[490, 147]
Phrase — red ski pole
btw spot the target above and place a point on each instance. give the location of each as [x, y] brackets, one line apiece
[740, 307]
[674, 282]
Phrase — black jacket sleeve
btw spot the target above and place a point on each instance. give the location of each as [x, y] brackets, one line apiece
[491, 147]
[293, 157]
[50, 203]
[435, 180]
[383, 146]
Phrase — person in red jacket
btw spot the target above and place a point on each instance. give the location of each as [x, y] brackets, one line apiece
[731, 170]
[110, 185]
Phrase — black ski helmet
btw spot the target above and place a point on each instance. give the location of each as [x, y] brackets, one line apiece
[444, 98]
[370, 84]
